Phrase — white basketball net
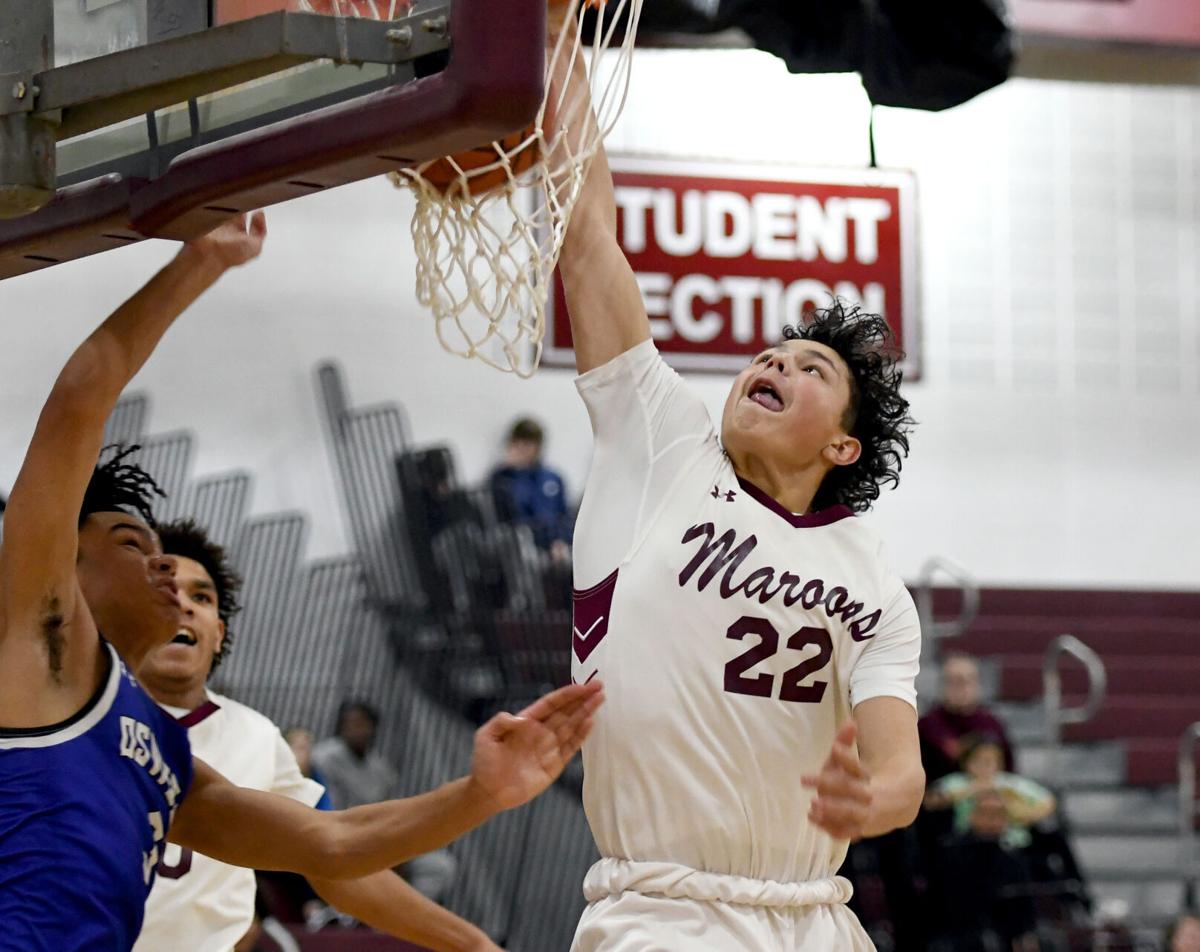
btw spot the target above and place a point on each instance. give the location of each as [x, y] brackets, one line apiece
[485, 261]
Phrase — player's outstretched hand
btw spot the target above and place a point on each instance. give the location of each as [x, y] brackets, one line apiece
[519, 756]
[233, 242]
[842, 805]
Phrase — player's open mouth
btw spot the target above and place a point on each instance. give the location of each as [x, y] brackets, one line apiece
[766, 396]
[184, 637]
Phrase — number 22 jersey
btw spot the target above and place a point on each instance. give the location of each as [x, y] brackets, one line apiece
[732, 636]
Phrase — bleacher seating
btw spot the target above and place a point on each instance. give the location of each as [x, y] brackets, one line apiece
[1117, 773]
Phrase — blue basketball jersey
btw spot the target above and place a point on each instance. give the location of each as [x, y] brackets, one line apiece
[84, 809]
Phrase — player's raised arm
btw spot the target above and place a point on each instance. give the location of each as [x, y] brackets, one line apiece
[516, 758]
[37, 559]
[607, 313]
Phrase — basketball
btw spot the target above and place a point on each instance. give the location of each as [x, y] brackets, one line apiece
[476, 164]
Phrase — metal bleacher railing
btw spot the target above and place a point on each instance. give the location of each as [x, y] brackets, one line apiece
[934, 630]
[1189, 811]
[1055, 714]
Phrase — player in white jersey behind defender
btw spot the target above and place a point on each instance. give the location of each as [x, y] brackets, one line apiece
[200, 904]
[757, 652]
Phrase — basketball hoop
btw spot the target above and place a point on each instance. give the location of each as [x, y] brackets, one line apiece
[489, 223]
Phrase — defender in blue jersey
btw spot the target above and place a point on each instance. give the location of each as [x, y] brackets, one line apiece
[93, 776]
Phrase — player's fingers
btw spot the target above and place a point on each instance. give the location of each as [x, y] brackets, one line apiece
[845, 759]
[571, 713]
[502, 725]
[842, 811]
[840, 787]
[570, 747]
[258, 224]
[568, 696]
[846, 734]
[841, 819]
[566, 726]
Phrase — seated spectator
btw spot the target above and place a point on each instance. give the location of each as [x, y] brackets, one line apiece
[1184, 934]
[980, 887]
[354, 774]
[957, 714]
[1027, 801]
[526, 491]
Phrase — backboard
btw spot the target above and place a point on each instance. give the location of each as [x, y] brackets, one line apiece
[163, 117]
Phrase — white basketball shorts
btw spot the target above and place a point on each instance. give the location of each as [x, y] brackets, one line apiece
[664, 907]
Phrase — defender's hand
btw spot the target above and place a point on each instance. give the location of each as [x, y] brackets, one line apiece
[519, 756]
[231, 243]
[842, 805]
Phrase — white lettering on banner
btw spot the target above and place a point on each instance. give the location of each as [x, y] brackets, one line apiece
[867, 213]
[687, 290]
[772, 225]
[634, 202]
[685, 308]
[719, 208]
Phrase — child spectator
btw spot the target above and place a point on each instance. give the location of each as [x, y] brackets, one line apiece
[1027, 801]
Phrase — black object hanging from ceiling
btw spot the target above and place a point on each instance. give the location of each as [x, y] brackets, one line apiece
[933, 54]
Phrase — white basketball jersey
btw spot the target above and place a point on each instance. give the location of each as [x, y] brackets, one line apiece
[198, 904]
[732, 637]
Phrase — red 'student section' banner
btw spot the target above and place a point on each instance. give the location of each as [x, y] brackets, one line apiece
[1158, 22]
[726, 255]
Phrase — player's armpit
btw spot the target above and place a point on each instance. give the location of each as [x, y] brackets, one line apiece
[890, 750]
[389, 904]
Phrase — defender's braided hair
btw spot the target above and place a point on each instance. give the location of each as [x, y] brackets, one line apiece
[120, 486]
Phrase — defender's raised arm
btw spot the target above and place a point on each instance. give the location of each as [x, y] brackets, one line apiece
[47, 640]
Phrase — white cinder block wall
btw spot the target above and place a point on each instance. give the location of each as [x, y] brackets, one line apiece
[1060, 400]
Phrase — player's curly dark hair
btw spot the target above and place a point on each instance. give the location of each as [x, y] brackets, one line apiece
[120, 486]
[877, 416]
[185, 539]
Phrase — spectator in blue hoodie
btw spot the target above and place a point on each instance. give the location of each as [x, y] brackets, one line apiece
[527, 491]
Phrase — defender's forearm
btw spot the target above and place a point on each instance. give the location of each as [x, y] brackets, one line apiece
[383, 835]
[261, 830]
[387, 903]
[105, 363]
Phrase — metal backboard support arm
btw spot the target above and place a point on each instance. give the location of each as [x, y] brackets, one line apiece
[491, 86]
[26, 141]
[97, 92]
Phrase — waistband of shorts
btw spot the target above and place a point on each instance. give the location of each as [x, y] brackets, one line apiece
[611, 876]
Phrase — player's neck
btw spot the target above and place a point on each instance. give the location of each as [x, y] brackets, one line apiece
[794, 489]
[186, 695]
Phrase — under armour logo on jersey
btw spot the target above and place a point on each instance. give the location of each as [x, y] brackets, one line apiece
[729, 494]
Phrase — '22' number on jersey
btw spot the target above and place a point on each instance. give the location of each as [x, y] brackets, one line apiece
[763, 685]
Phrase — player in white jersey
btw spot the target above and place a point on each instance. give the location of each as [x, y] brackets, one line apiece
[200, 904]
[757, 652]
